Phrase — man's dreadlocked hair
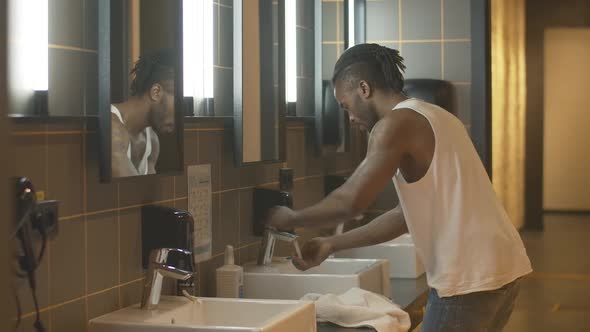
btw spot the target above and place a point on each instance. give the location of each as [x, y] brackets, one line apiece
[376, 64]
[152, 67]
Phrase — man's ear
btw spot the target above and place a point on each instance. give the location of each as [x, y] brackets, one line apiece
[365, 89]
[156, 92]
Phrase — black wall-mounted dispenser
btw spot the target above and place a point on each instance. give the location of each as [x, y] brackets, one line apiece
[335, 121]
[264, 200]
[165, 227]
[438, 92]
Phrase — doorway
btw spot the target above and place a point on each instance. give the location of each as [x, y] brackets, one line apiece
[566, 155]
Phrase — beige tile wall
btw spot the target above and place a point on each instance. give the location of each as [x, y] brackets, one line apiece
[94, 265]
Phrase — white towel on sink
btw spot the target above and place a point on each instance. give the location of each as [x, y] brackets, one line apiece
[357, 308]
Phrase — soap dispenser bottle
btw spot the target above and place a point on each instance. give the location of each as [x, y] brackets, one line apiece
[230, 277]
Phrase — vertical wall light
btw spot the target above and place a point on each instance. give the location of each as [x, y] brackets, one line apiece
[291, 55]
[28, 52]
[350, 18]
[40, 51]
[198, 47]
[39, 34]
[355, 22]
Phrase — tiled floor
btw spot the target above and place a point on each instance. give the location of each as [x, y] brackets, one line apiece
[556, 297]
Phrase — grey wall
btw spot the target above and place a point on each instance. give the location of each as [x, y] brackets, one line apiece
[434, 38]
[541, 14]
[332, 35]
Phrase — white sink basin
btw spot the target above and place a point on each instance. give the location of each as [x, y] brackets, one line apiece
[175, 313]
[281, 280]
[400, 252]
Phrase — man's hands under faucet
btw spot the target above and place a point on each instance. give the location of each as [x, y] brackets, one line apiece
[314, 252]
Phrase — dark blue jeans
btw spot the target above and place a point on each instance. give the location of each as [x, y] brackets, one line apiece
[486, 311]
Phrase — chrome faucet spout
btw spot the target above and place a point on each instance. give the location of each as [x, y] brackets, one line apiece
[164, 262]
[269, 239]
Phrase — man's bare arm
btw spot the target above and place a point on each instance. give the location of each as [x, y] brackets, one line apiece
[384, 228]
[121, 166]
[387, 145]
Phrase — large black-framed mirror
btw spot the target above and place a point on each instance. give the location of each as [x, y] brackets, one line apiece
[337, 25]
[259, 81]
[140, 88]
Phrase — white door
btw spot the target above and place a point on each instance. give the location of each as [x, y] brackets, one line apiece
[567, 119]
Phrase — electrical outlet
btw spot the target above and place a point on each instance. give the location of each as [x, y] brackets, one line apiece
[45, 217]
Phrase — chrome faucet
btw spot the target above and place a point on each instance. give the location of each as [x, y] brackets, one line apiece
[164, 262]
[269, 239]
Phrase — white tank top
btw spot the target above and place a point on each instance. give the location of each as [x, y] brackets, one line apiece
[142, 168]
[461, 231]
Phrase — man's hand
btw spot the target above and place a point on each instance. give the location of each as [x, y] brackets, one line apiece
[281, 218]
[314, 253]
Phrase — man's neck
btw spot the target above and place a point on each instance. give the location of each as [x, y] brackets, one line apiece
[386, 101]
[135, 114]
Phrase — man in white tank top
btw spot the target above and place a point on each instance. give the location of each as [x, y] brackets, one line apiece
[149, 111]
[472, 253]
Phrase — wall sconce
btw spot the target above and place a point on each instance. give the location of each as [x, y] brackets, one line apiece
[291, 55]
[197, 20]
[29, 54]
[355, 13]
[350, 29]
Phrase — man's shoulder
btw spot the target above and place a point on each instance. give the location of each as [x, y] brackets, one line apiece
[119, 134]
[392, 129]
[398, 120]
[116, 125]
[402, 127]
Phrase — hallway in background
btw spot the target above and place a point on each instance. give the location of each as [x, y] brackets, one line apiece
[556, 296]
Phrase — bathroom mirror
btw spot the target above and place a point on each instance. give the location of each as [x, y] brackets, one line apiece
[140, 88]
[337, 25]
[259, 81]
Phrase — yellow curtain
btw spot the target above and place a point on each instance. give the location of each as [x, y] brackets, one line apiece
[508, 105]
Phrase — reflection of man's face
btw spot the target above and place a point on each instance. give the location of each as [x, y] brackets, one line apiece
[162, 112]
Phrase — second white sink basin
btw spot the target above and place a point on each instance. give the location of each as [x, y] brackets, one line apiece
[400, 252]
[281, 280]
[175, 314]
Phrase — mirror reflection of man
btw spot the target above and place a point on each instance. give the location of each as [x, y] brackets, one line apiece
[149, 112]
